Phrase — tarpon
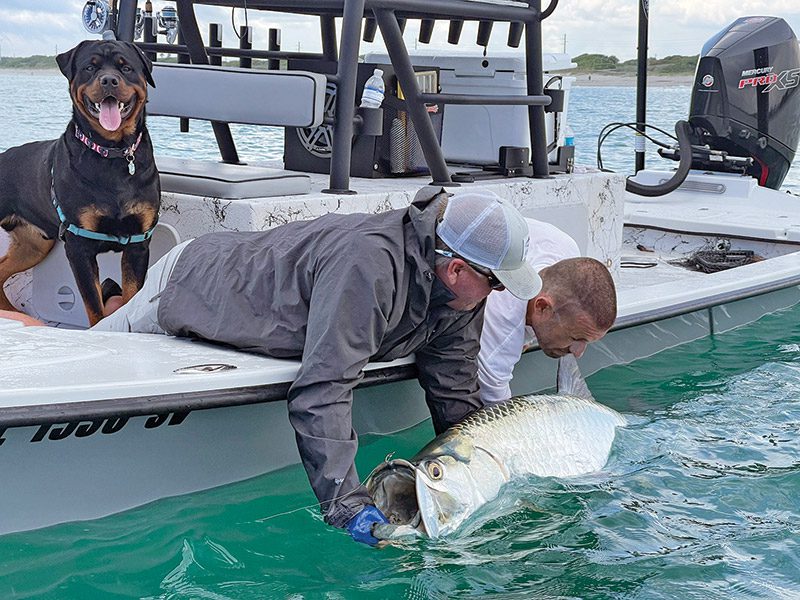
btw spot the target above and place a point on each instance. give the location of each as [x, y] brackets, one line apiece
[561, 435]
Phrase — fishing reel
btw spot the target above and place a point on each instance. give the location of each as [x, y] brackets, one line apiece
[96, 16]
[168, 23]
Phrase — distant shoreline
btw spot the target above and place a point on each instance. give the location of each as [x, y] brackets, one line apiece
[581, 79]
[30, 70]
[618, 80]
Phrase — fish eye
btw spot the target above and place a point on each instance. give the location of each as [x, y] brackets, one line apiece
[435, 470]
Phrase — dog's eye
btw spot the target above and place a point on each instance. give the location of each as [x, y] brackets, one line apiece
[90, 68]
[126, 69]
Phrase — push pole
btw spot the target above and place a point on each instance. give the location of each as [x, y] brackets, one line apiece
[641, 83]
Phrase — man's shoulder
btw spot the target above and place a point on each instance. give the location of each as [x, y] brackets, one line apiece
[544, 230]
[549, 244]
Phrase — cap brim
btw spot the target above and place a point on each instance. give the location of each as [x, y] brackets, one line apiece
[524, 283]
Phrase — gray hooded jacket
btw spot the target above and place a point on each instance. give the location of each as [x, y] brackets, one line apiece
[337, 292]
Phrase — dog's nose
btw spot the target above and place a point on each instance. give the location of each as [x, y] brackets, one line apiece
[109, 81]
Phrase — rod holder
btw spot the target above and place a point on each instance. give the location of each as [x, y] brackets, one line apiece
[273, 45]
[370, 29]
[515, 31]
[484, 33]
[214, 41]
[245, 43]
[368, 121]
[454, 33]
[149, 34]
[183, 122]
[426, 30]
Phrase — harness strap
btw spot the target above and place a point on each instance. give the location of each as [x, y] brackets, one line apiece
[87, 233]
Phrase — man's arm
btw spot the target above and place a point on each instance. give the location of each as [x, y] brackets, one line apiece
[501, 345]
[26, 320]
[448, 371]
[346, 324]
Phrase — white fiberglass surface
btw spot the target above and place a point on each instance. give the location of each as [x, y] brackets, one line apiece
[45, 365]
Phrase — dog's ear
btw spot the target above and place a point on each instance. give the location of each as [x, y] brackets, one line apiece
[146, 63]
[66, 60]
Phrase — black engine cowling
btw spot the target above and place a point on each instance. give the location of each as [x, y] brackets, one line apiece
[746, 97]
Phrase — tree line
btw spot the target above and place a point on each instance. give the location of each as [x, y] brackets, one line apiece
[669, 65]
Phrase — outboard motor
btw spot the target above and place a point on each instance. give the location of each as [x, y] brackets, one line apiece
[746, 100]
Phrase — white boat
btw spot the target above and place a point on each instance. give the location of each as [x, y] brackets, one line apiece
[94, 423]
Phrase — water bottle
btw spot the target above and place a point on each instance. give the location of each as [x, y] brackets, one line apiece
[569, 136]
[372, 96]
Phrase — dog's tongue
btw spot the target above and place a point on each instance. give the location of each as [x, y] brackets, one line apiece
[110, 118]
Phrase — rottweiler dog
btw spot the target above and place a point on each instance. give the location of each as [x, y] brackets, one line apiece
[96, 187]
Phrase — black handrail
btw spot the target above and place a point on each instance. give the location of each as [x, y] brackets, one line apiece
[549, 10]
[524, 16]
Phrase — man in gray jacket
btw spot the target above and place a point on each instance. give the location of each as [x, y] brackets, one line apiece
[338, 292]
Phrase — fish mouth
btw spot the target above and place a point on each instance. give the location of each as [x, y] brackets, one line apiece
[393, 488]
[406, 496]
[110, 111]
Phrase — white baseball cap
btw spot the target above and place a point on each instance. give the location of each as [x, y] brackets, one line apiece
[482, 228]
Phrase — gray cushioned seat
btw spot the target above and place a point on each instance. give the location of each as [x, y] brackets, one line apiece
[220, 180]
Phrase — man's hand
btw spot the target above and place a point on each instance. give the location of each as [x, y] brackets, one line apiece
[360, 526]
[21, 317]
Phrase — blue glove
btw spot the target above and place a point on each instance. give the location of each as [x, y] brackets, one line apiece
[360, 526]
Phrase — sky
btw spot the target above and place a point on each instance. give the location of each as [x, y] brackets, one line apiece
[577, 26]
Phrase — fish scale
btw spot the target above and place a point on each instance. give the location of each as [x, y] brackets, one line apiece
[544, 435]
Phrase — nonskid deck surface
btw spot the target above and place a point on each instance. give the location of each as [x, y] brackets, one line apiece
[45, 365]
[75, 365]
[717, 204]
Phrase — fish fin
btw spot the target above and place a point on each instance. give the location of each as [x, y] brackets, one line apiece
[570, 381]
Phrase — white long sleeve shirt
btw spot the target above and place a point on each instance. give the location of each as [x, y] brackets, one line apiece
[505, 333]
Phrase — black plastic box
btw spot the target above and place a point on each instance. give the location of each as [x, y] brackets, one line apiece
[309, 149]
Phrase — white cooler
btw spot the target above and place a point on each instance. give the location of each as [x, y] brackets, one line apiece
[474, 134]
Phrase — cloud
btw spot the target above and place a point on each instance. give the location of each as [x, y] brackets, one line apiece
[675, 26]
[39, 28]
[605, 26]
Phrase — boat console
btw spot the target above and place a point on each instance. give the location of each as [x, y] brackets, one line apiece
[339, 64]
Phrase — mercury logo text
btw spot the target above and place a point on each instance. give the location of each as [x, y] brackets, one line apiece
[784, 80]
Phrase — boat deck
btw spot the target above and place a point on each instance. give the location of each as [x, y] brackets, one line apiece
[748, 211]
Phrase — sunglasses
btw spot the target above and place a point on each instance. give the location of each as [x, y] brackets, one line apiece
[494, 282]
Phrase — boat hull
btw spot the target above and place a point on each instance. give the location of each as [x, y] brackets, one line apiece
[89, 468]
[85, 469]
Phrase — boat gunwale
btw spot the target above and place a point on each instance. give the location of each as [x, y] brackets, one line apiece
[182, 402]
[133, 406]
[689, 306]
[708, 233]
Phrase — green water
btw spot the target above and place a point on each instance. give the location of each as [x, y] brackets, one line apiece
[699, 500]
